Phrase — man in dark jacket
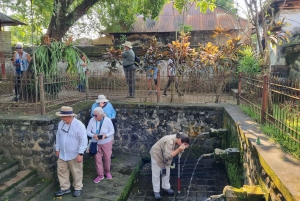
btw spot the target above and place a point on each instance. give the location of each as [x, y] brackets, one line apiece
[129, 68]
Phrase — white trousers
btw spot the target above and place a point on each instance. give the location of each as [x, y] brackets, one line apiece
[156, 172]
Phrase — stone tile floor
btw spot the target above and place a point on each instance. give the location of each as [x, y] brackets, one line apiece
[209, 179]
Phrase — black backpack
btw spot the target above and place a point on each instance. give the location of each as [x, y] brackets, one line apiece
[137, 60]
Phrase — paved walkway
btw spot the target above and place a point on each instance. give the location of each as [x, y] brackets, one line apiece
[106, 190]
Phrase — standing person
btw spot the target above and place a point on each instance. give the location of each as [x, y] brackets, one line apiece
[129, 68]
[71, 142]
[21, 60]
[162, 153]
[82, 70]
[108, 110]
[171, 73]
[151, 63]
[107, 107]
[101, 130]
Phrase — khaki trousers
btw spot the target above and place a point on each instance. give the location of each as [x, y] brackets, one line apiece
[63, 173]
[156, 173]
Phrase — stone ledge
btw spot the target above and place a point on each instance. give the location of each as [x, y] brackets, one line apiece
[281, 167]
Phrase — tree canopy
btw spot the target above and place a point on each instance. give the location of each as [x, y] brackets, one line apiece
[58, 16]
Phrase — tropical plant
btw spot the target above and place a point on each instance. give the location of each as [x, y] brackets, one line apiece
[113, 58]
[50, 52]
[248, 63]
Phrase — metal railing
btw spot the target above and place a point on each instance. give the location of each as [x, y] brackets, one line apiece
[276, 102]
[40, 94]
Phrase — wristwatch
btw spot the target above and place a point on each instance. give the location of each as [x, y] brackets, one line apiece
[80, 154]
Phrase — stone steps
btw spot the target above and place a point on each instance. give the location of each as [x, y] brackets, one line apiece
[21, 185]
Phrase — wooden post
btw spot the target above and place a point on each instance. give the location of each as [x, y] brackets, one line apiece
[87, 75]
[239, 89]
[2, 63]
[264, 100]
[42, 93]
[158, 85]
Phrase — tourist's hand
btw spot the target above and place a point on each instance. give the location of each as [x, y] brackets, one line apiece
[181, 147]
[79, 158]
[56, 153]
[104, 136]
[95, 137]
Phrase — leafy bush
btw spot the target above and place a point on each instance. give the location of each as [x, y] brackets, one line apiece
[248, 63]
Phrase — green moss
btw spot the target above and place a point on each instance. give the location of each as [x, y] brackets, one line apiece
[126, 191]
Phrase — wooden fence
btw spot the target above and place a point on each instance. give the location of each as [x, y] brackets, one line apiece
[276, 102]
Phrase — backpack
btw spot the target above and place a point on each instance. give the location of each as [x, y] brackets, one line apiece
[137, 60]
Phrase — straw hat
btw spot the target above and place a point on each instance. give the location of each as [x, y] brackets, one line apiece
[65, 111]
[127, 44]
[101, 99]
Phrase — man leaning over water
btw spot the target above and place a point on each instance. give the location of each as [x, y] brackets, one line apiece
[162, 153]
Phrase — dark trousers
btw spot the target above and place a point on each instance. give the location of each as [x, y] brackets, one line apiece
[18, 83]
[130, 79]
[172, 79]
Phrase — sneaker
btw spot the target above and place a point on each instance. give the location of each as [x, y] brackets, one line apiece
[164, 94]
[98, 179]
[169, 191]
[155, 92]
[62, 192]
[108, 176]
[180, 94]
[157, 195]
[76, 193]
[149, 92]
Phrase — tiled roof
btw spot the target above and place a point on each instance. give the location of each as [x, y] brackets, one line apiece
[170, 19]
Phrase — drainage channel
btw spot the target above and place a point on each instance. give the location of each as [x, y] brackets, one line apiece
[197, 181]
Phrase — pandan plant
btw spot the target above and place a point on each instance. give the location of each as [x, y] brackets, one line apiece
[45, 60]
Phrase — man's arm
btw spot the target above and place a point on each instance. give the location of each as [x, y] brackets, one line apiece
[82, 138]
[57, 140]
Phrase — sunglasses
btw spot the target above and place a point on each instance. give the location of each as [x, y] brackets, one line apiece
[18, 48]
[65, 130]
[94, 115]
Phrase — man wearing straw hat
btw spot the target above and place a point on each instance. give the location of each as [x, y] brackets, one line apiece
[71, 142]
[129, 68]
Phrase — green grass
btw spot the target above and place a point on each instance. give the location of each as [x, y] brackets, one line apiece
[284, 139]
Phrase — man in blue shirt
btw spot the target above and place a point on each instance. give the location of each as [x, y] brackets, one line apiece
[71, 142]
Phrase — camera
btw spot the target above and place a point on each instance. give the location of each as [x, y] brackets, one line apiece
[100, 137]
[163, 172]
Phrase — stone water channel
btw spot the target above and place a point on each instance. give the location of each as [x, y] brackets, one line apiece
[209, 179]
[139, 127]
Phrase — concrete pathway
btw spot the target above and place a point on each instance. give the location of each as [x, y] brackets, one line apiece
[106, 190]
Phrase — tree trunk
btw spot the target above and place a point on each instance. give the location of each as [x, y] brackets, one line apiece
[62, 19]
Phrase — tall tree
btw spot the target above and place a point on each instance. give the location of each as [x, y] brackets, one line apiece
[60, 15]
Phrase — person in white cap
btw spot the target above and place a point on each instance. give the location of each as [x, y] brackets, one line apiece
[71, 142]
[21, 60]
[129, 68]
[107, 107]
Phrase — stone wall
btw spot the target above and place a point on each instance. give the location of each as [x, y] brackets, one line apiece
[31, 140]
[250, 170]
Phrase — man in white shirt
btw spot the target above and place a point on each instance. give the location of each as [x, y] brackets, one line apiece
[71, 142]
